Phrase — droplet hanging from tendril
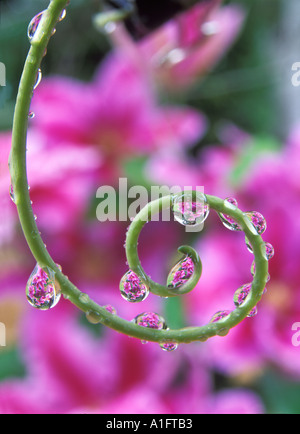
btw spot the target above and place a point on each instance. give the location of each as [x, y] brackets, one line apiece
[169, 346]
[270, 251]
[228, 221]
[181, 272]
[240, 297]
[31, 115]
[42, 292]
[258, 221]
[33, 25]
[151, 320]
[93, 317]
[38, 79]
[190, 209]
[132, 288]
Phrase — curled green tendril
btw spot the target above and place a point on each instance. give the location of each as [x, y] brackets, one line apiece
[133, 259]
[18, 170]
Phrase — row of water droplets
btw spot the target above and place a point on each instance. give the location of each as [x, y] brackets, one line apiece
[188, 210]
[31, 32]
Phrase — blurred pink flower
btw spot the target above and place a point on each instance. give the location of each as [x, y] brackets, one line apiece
[187, 47]
[271, 186]
[117, 113]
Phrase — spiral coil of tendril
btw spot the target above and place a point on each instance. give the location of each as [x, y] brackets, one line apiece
[47, 282]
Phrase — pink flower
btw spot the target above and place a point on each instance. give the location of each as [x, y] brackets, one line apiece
[186, 47]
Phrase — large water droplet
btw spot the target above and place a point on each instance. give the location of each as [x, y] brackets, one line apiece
[181, 272]
[151, 320]
[31, 115]
[132, 288]
[220, 315]
[41, 290]
[240, 297]
[190, 210]
[38, 78]
[258, 221]
[33, 25]
[169, 346]
[228, 221]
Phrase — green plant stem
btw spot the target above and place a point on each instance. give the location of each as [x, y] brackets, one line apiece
[18, 170]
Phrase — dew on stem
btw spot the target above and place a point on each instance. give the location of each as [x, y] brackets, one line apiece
[33, 25]
[228, 221]
[132, 288]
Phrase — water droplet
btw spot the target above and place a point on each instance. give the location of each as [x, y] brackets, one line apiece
[151, 320]
[33, 25]
[181, 272]
[189, 209]
[110, 309]
[240, 297]
[258, 221]
[31, 115]
[12, 194]
[132, 288]
[228, 221]
[41, 290]
[38, 79]
[84, 298]
[270, 252]
[169, 346]
[253, 312]
[220, 315]
[223, 332]
[62, 15]
[249, 247]
[93, 317]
